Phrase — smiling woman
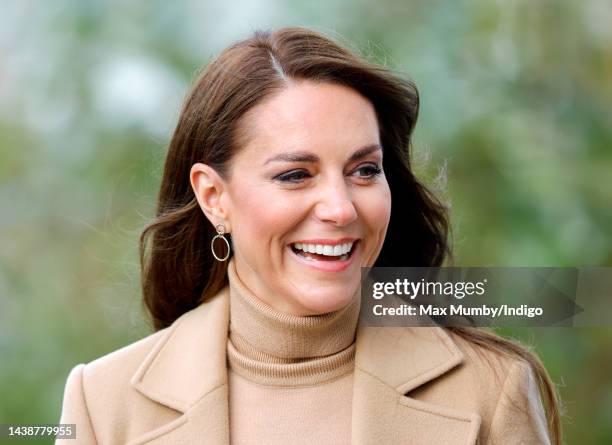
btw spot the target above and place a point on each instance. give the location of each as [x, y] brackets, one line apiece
[302, 178]
[295, 152]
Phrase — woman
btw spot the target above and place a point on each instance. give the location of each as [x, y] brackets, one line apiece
[277, 189]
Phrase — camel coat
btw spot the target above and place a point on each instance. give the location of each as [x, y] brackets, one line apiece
[411, 386]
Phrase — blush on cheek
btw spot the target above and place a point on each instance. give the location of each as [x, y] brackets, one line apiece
[264, 218]
[376, 207]
[384, 204]
[376, 210]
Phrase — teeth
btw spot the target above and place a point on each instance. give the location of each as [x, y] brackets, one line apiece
[327, 250]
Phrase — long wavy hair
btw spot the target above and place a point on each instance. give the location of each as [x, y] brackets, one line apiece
[179, 271]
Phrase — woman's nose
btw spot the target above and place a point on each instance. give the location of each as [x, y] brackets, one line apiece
[336, 205]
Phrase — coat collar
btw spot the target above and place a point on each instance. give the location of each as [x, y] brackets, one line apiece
[186, 371]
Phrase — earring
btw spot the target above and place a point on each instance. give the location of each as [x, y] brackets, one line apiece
[220, 231]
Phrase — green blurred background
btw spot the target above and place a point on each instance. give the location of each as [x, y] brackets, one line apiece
[516, 111]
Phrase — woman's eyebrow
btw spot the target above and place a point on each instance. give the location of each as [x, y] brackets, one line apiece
[305, 156]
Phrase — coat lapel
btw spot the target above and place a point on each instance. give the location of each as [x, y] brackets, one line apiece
[187, 372]
[382, 412]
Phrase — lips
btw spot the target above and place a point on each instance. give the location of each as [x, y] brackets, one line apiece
[331, 262]
[324, 252]
[326, 241]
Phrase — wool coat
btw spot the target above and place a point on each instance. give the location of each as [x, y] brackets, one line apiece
[411, 385]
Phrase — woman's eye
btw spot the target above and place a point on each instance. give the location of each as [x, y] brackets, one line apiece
[293, 176]
[369, 171]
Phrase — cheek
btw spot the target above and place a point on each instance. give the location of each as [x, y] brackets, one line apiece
[263, 218]
[376, 211]
[376, 208]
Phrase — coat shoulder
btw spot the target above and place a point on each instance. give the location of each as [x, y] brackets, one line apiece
[108, 380]
[122, 362]
[100, 398]
[480, 375]
[488, 364]
[500, 387]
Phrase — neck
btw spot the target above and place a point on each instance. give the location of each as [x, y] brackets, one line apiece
[275, 347]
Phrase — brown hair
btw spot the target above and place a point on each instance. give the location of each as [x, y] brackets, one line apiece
[178, 269]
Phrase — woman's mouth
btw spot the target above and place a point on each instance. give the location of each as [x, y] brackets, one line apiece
[326, 258]
[324, 252]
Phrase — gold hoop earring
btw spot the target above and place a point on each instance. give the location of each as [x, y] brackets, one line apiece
[220, 231]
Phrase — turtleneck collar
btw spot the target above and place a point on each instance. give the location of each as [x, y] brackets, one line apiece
[271, 347]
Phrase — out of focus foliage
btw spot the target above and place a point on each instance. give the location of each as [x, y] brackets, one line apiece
[516, 111]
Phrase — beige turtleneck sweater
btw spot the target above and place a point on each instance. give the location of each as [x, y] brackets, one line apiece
[290, 377]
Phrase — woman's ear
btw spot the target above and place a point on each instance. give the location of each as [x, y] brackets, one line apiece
[210, 189]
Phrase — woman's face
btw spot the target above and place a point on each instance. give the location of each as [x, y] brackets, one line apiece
[308, 176]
